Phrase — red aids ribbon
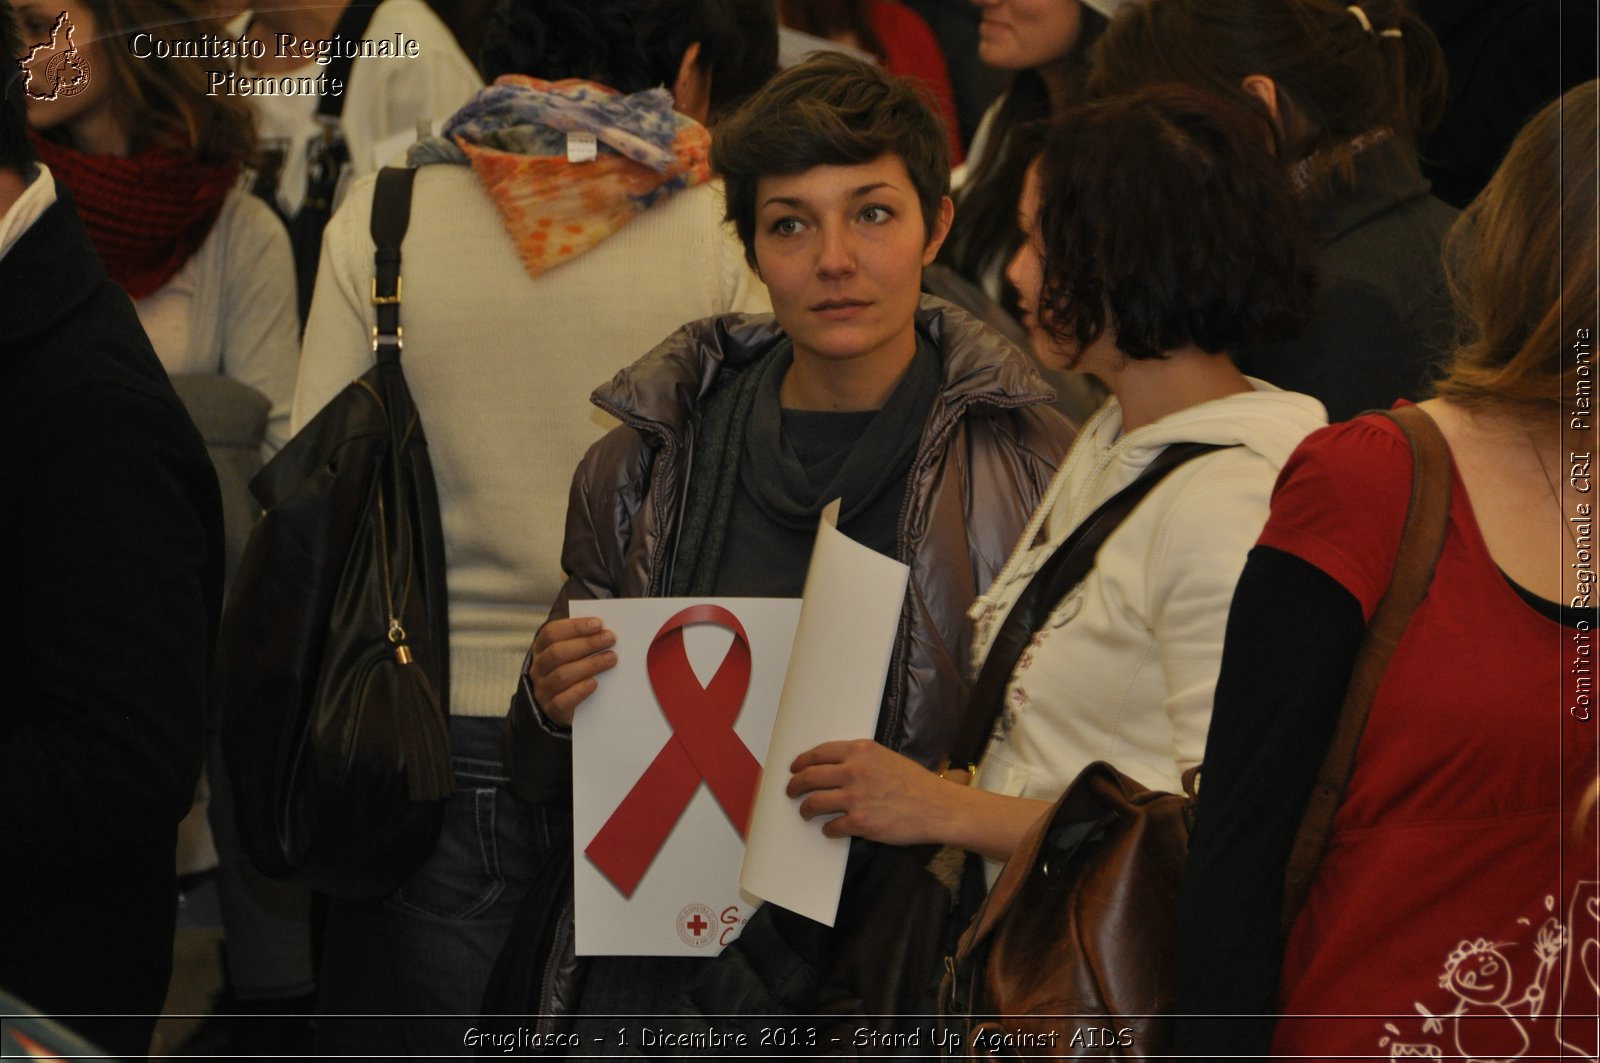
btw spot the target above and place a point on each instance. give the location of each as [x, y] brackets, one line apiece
[703, 747]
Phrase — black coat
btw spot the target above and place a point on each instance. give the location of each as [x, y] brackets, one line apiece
[1506, 59]
[111, 528]
[1382, 318]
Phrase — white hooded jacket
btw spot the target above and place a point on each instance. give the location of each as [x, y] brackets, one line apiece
[1125, 667]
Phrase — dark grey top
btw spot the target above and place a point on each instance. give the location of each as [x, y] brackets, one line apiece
[1382, 316]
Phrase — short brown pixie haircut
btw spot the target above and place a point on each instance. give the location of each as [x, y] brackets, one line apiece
[1163, 215]
[831, 110]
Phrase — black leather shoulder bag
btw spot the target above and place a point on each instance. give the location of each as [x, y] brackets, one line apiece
[334, 648]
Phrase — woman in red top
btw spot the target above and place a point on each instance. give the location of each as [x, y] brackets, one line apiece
[1453, 914]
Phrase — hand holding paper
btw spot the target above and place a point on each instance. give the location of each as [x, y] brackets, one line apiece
[871, 792]
[567, 656]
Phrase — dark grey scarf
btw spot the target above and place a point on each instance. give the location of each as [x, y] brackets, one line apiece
[739, 442]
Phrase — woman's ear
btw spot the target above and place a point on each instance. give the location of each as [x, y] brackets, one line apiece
[691, 92]
[1264, 89]
[941, 229]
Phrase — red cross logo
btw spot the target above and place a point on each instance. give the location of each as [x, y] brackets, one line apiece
[694, 922]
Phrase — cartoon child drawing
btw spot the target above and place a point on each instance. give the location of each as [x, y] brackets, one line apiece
[1491, 1025]
[1480, 977]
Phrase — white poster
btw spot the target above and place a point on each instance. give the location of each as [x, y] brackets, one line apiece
[837, 671]
[667, 753]
[656, 851]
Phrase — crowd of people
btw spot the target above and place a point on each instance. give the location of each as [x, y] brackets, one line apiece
[663, 303]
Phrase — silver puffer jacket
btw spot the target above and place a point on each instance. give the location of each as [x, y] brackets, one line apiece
[990, 447]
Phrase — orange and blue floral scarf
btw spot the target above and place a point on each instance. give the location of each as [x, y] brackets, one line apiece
[514, 134]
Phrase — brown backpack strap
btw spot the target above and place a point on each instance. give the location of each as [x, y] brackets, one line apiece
[1427, 519]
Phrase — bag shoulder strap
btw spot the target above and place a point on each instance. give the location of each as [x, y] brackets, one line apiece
[1065, 569]
[1421, 540]
[391, 215]
[352, 26]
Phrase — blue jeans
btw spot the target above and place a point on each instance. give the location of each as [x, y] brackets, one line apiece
[424, 952]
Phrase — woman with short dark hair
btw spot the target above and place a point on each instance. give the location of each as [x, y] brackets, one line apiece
[854, 120]
[836, 177]
[933, 429]
[1205, 257]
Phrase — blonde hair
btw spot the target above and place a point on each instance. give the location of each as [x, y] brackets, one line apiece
[1522, 267]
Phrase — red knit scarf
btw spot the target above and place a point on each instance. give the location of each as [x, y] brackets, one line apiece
[145, 214]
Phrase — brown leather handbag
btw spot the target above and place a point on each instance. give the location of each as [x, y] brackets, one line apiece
[1071, 954]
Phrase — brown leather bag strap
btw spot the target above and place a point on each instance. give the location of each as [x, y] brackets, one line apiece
[1427, 519]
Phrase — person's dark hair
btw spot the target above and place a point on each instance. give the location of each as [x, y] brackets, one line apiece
[633, 45]
[984, 233]
[831, 110]
[15, 150]
[1162, 215]
[1340, 71]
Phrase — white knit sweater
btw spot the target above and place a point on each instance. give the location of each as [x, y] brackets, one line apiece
[501, 366]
